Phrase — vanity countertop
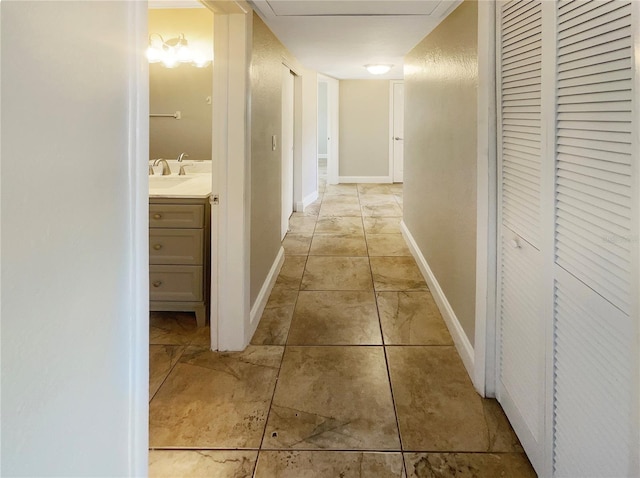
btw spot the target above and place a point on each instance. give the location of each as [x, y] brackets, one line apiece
[197, 185]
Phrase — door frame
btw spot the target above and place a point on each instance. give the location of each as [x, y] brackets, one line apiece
[292, 174]
[333, 128]
[485, 340]
[392, 100]
[231, 217]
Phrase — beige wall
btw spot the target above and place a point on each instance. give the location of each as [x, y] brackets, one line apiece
[266, 120]
[364, 128]
[441, 78]
[184, 88]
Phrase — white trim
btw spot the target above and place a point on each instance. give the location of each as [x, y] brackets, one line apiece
[365, 179]
[460, 339]
[265, 292]
[486, 243]
[138, 131]
[309, 199]
[392, 158]
[333, 127]
[231, 136]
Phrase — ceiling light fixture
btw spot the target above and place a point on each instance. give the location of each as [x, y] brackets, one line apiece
[173, 51]
[378, 69]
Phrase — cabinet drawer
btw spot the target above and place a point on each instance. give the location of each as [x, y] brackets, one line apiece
[176, 215]
[175, 246]
[175, 283]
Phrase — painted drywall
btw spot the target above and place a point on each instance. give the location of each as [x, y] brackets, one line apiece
[268, 55]
[322, 119]
[184, 88]
[71, 243]
[364, 128]
[441, 80]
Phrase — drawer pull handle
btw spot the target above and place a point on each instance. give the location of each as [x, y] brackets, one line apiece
[157, 216]
[157, 247]
[157, 283]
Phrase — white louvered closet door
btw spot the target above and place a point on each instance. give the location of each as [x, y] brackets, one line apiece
[595, 434]
[520, 385]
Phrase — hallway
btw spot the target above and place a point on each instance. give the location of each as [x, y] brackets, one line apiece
[351, 357]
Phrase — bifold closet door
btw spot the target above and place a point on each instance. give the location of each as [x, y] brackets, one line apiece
[595, 351]
[521, 372]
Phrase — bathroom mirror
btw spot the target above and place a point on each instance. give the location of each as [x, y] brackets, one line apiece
[184, 87]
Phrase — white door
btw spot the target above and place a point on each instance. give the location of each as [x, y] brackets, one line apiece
[287, 147]
[521, 371]
[398, 131]
[595, 328]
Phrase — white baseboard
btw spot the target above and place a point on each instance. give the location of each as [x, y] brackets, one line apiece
[365, 179]
[309, 199]
[460, 339]
[265, 292]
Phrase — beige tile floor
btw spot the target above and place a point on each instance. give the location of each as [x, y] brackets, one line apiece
[351, 373]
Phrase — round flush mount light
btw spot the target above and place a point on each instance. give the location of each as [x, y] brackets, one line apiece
[378, 69]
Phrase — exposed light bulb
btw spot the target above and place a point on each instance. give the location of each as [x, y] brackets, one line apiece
[183, 54]
[153, 55]
[378, 69]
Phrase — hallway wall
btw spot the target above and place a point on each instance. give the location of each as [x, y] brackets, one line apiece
[441, 80]
[266, 120]
[74, 240]
[364, 128]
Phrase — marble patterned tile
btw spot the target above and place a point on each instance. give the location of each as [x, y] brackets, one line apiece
[502, 438]
[328, 464]
[371, 188]
[312, 210]
[438, 408]
[335, 318]
[333, 398]
[201, 463]
[387, 245]
[341, 190]
[382, 225]
[397, 274]
[468, 465]
[411, 318]
[281, 296]
[302, 224]
[273, 327]
[215, 400]
[383, 210]
[173, 328]
[337, 273]
[339, 225]
[377, 200]
[291, 272]
[162, 358]
[335, 209]
[296, 244]
[338, 245]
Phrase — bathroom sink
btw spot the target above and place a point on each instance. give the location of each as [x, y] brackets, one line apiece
[164, 182]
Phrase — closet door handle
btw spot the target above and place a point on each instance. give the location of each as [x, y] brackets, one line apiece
[515, 243]
[157, 216]
[157, 247]
[398, 138]
[157, 283]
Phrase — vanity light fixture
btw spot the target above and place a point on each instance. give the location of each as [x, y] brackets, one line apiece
[378, 69]
[173, 51]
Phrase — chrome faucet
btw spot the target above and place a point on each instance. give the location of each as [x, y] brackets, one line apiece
[166, 170]
[181, 156]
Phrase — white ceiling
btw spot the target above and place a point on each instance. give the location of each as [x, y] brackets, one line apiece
[339, 37]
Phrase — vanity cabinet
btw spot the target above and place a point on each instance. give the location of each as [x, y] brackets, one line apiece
[179, 255]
